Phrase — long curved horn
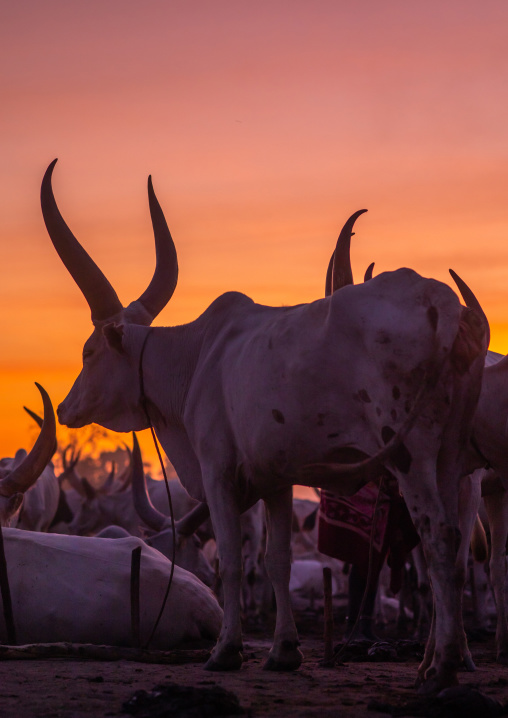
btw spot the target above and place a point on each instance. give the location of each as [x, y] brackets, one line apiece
[471, 301]
[368, 272]
[147, 512]
[26, 474]
[164, 280]
[38, 421]
[98, 292]
[341, 272]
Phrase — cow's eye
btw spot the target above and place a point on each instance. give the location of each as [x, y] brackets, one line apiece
[87, 353]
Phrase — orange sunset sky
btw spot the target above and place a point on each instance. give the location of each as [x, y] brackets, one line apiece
[264, 126]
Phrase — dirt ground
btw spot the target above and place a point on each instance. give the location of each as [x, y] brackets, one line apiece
[75, 688]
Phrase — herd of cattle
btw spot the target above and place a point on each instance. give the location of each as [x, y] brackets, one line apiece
[393, 374]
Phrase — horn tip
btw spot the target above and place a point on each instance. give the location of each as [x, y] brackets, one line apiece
[51, 166]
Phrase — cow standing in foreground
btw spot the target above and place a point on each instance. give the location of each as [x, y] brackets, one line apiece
[248, 400]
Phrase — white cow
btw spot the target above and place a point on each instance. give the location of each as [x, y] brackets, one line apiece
[75, 588]
[248, 400]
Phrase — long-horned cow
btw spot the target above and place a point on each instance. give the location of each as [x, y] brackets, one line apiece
[76, 588]
[248, 400]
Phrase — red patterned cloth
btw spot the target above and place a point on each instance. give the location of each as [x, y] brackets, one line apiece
[345, 528]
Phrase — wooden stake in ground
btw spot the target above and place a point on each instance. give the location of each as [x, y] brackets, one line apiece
[135, 572]
[328, 611]
[6, 595]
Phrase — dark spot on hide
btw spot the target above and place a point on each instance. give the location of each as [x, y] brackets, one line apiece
[433, 316]
[400, 455]
[270, 345]
[393, 414]
[320, 419]
[363, 395]
[447, 400]
[382, 338]
[332, 436]
[278, 416]
[396, 392]
[407, 406]
[378, 411]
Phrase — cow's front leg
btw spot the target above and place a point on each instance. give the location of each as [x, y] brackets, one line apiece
[225, 515]
[285, 654]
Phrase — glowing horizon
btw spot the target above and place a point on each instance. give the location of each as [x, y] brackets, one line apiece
[264, 128]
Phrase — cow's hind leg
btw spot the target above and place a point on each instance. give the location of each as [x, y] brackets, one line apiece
[440, 535]
[285, 654]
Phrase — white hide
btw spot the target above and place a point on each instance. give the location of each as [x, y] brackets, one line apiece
[75, 588]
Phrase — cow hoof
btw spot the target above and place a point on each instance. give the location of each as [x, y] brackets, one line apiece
[469, 664]
[290, 661]
[228, 660]
[502, 658]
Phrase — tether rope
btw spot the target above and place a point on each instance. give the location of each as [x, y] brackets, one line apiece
[144, 404]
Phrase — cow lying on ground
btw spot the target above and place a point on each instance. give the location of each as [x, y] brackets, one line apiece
[77, 589]
[248, 400]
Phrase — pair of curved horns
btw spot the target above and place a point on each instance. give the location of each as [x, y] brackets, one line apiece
[26, 474]
[98, 292]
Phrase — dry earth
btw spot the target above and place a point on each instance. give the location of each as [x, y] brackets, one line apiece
[76, 688]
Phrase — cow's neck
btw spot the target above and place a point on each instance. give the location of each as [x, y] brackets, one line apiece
[169, 357]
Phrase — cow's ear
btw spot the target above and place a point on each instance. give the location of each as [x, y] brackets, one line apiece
[114, 336]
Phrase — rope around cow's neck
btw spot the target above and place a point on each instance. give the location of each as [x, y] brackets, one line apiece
[144, 404]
